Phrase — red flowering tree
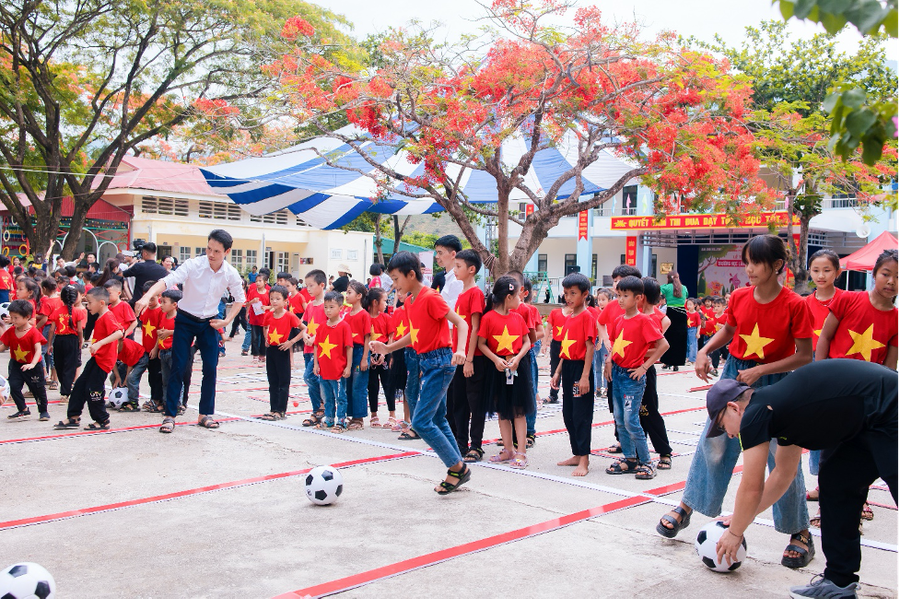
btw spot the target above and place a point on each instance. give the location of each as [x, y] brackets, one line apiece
[676, 114]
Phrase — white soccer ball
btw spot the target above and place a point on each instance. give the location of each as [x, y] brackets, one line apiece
[324, 484]
[26, 581]
[4, 309]
[705, 544]
[4, 388]
[117, 397]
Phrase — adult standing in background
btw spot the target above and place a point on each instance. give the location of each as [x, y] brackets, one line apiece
[204, 279]
[341, 283]
[445, 250]
[168, 263]
[676, 335]
[145, 270]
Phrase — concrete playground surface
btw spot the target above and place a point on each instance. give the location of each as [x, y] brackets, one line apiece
[222, 513]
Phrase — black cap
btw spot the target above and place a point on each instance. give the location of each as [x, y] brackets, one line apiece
[718, 397]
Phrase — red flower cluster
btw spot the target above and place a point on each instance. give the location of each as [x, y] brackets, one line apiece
[295, 27]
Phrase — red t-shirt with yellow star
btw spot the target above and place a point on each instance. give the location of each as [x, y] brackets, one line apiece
[123, 314]
[313, 317]
[106, 325]
[381, 327]
[630, 339]
[6, 280]
[60, 318]
[400, 322]
[278, 330]
[765, 333]
[693, 319]
[131, 352]
[468, 303]
[296, 304]
[49, 306]
[819, 311]
[864, 332]
[331, 344]
[253, 293]
[504, 334]
[578, 330]
[21, 349]
[555, 321]
[149, 327]
[610, 314]
[524, 310]
[427, 321]
[360, 326]
[708, 325]
[167, 323]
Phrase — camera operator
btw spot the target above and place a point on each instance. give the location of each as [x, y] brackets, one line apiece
[146, 269]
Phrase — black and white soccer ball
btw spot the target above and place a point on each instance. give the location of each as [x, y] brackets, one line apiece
[4, 389]
[26, 581]
[4, 309]
[116, 399]
[705, 544]
[324, 484]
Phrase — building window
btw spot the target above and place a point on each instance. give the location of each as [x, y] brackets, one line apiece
[251, 258]
[281, 262]
[629, 200]
[184, 254]
[542, 262]
[237, 258]
[337, 253]
[199, 251]
[352, 254]
[219, 210]
[571, 264]
[164, 206]
[275, 218]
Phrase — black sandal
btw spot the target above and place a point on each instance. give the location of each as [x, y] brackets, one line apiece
[474, 455]
[616, 448]
[665, 462]
[462, 477]
[129, 407]
[314, 419]
[670, 533]
[530, 440]
[645, 472]
[67, 424]
[270, 416]
[167, 426]
[98, 426]
[207, 422]
[619, 467]
[409, 435]
[806, 555]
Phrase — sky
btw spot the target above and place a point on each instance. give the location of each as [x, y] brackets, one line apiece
[699, 18]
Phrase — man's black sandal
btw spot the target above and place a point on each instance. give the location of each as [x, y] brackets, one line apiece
[463, 477]
[670, 533]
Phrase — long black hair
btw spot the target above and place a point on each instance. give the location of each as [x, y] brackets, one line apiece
[504, 287]
[374, 294]
[69, 295]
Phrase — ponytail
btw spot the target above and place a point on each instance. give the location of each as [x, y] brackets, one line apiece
[675, 280]
[503, 288]
[372, 296]
[69, 295]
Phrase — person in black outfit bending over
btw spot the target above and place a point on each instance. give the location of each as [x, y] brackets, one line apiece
[147, 269]
[847, 409]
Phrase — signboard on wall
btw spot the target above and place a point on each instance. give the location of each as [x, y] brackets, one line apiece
[700, 221]
[631, 251]
[720, 270]
[582, 225]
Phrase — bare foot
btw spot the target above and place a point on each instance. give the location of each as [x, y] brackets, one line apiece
[573, 461]
[582, 468]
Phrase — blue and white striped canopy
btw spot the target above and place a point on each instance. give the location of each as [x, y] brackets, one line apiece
[329, 197]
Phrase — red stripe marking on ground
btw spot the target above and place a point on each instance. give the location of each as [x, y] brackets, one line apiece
[189, 492]
[430, 559]
[700, 388]
[889, 507]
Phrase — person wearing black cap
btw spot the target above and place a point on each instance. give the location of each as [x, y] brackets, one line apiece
[848, 409]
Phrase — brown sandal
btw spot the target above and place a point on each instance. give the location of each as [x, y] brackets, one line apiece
[356, 424]
[207, 422]
[168, 425]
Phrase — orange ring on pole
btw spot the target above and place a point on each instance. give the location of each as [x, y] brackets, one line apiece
[25, 247]
[6, 251]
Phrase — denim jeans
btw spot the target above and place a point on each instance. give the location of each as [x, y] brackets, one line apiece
[531, 417]
[599, 360]
[165, 364]
[312, 382]
[430, 418]
[815, 456]
[358, 385]
[245, 345]
[413, 384]
[133, 382]
[692, 344]
[627, 397]
[714, 461]
[186, 330]
[335, 393]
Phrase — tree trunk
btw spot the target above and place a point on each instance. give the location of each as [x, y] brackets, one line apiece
[398, 231]
[502, 265]
[801, 274]
[379, 254]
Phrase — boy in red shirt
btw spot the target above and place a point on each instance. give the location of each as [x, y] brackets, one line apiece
[149, 362]
[130, 353]
[575, 372]
[333, 358]
[165, 328]
[24, 342]
[555, 322]
[121, 310]
[283, 330]
[716, 321]
[630, 359]
[257, 304]
[313, 318]
[6, 281]
[50, 302]
[430, 337]
[90, 385]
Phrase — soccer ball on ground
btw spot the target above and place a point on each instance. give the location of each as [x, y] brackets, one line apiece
[324, 484]
[4, 390]
[26, 581]
[4, 309]
[117, 397]
[705, 544]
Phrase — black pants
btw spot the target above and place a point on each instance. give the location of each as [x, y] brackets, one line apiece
[89, 325]
[33, 379]
[718, 355]
[154, 377]
[66, 352]
[554, 363]
[398, 371]
[188, 374]
[469, 405]
[383, 373]
[239, 321]
[704, 339]
[89, 388]
[278, 369]
[676, 335]
[578, 410]
[844, 478]
[651, 421]
[257, 340]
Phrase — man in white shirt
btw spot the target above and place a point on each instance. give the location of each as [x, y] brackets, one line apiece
[204, 280]
[445, 250]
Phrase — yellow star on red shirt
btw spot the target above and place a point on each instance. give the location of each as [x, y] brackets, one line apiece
[864, 344]
[401, 330]
[414, 333]
[274, 337]
[326, 348]
[375, 335]
[559, 331]
[148, 328]
[565, 344]
[505, 341]
[20, 354]
[756, 343]
[312, 327]
[620, 344]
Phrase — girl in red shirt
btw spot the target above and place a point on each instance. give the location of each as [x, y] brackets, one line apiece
[282, 330]
[66, 327]
[503, 338]
[257, 304]
[771, 335]
[361, 329]
[379, 366]
[824, 268]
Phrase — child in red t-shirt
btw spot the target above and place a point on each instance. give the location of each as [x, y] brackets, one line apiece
[651, 420]
[430, 337]
[503, 339]
[66, 327]
[555, 322]
[129, 353]
[257, 304]
[89, 387]
[333, 357]
[360, 328]
[575, 372]
[49, 303]
[404, 371]
[24, 343]
[693, 328]
[715, 322]
[165, 328]
[121, 311]
[379, 367]
[632, 335]
[283, 329]
[313, 318]
[601, 300]
[824, 269]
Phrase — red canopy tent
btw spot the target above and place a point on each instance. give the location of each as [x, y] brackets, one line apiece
[864, 258]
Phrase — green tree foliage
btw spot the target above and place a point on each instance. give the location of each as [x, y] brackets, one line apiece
[868, 16]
